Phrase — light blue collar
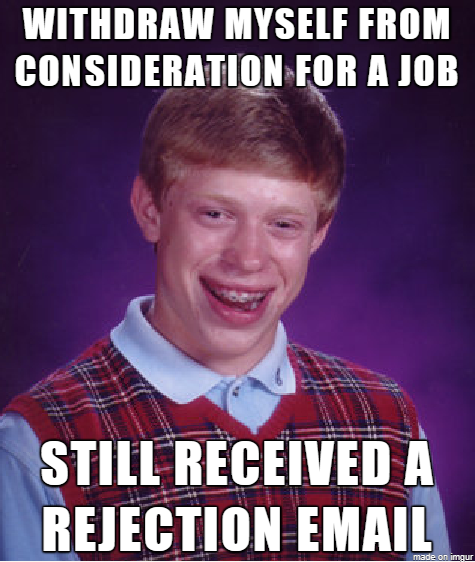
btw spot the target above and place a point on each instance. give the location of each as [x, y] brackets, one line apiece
[177, 375]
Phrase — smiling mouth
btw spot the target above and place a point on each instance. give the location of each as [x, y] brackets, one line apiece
[246, 301]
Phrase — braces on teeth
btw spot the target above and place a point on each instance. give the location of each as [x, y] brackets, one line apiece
[242, 298]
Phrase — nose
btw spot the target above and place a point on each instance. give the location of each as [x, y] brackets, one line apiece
[246, 250]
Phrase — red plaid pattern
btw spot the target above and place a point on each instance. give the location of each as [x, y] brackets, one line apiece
[101, 396]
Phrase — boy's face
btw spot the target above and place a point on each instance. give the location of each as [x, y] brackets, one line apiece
[233, 249]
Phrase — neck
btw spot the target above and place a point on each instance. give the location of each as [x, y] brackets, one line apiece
[225, 364]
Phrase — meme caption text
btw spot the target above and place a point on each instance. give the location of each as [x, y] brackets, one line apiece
[328, 464]
[240, 24]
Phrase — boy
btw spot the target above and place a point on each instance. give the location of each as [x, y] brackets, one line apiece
[236, 190]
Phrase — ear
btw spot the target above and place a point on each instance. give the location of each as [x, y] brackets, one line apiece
[320, 236]
[145, 210]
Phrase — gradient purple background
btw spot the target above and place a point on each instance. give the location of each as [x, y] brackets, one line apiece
[392, 289]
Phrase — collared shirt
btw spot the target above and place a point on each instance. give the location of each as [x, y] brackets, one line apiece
[250, 398]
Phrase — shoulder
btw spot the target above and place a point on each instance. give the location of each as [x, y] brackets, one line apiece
[97, 361]
[71, 388]
[318, 364]
[328, 375]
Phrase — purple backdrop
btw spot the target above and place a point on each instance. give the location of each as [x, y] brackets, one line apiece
[392, 289]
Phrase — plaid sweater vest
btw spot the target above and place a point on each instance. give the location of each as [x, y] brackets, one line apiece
[102, 396]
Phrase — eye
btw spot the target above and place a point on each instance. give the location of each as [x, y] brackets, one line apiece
[286, 228]
[287, 225]
[213, 217]
[213, 214]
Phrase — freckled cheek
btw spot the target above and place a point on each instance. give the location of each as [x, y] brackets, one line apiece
[293, 270]
[292, 256]
[187, 238]
[208, 242]
[203, 248]
[192, 256]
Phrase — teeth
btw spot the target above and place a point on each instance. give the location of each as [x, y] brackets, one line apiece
[241, 297]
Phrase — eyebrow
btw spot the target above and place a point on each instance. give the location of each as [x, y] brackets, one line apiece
[223, 199]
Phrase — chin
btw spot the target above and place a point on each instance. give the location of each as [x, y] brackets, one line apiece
[240, 342]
